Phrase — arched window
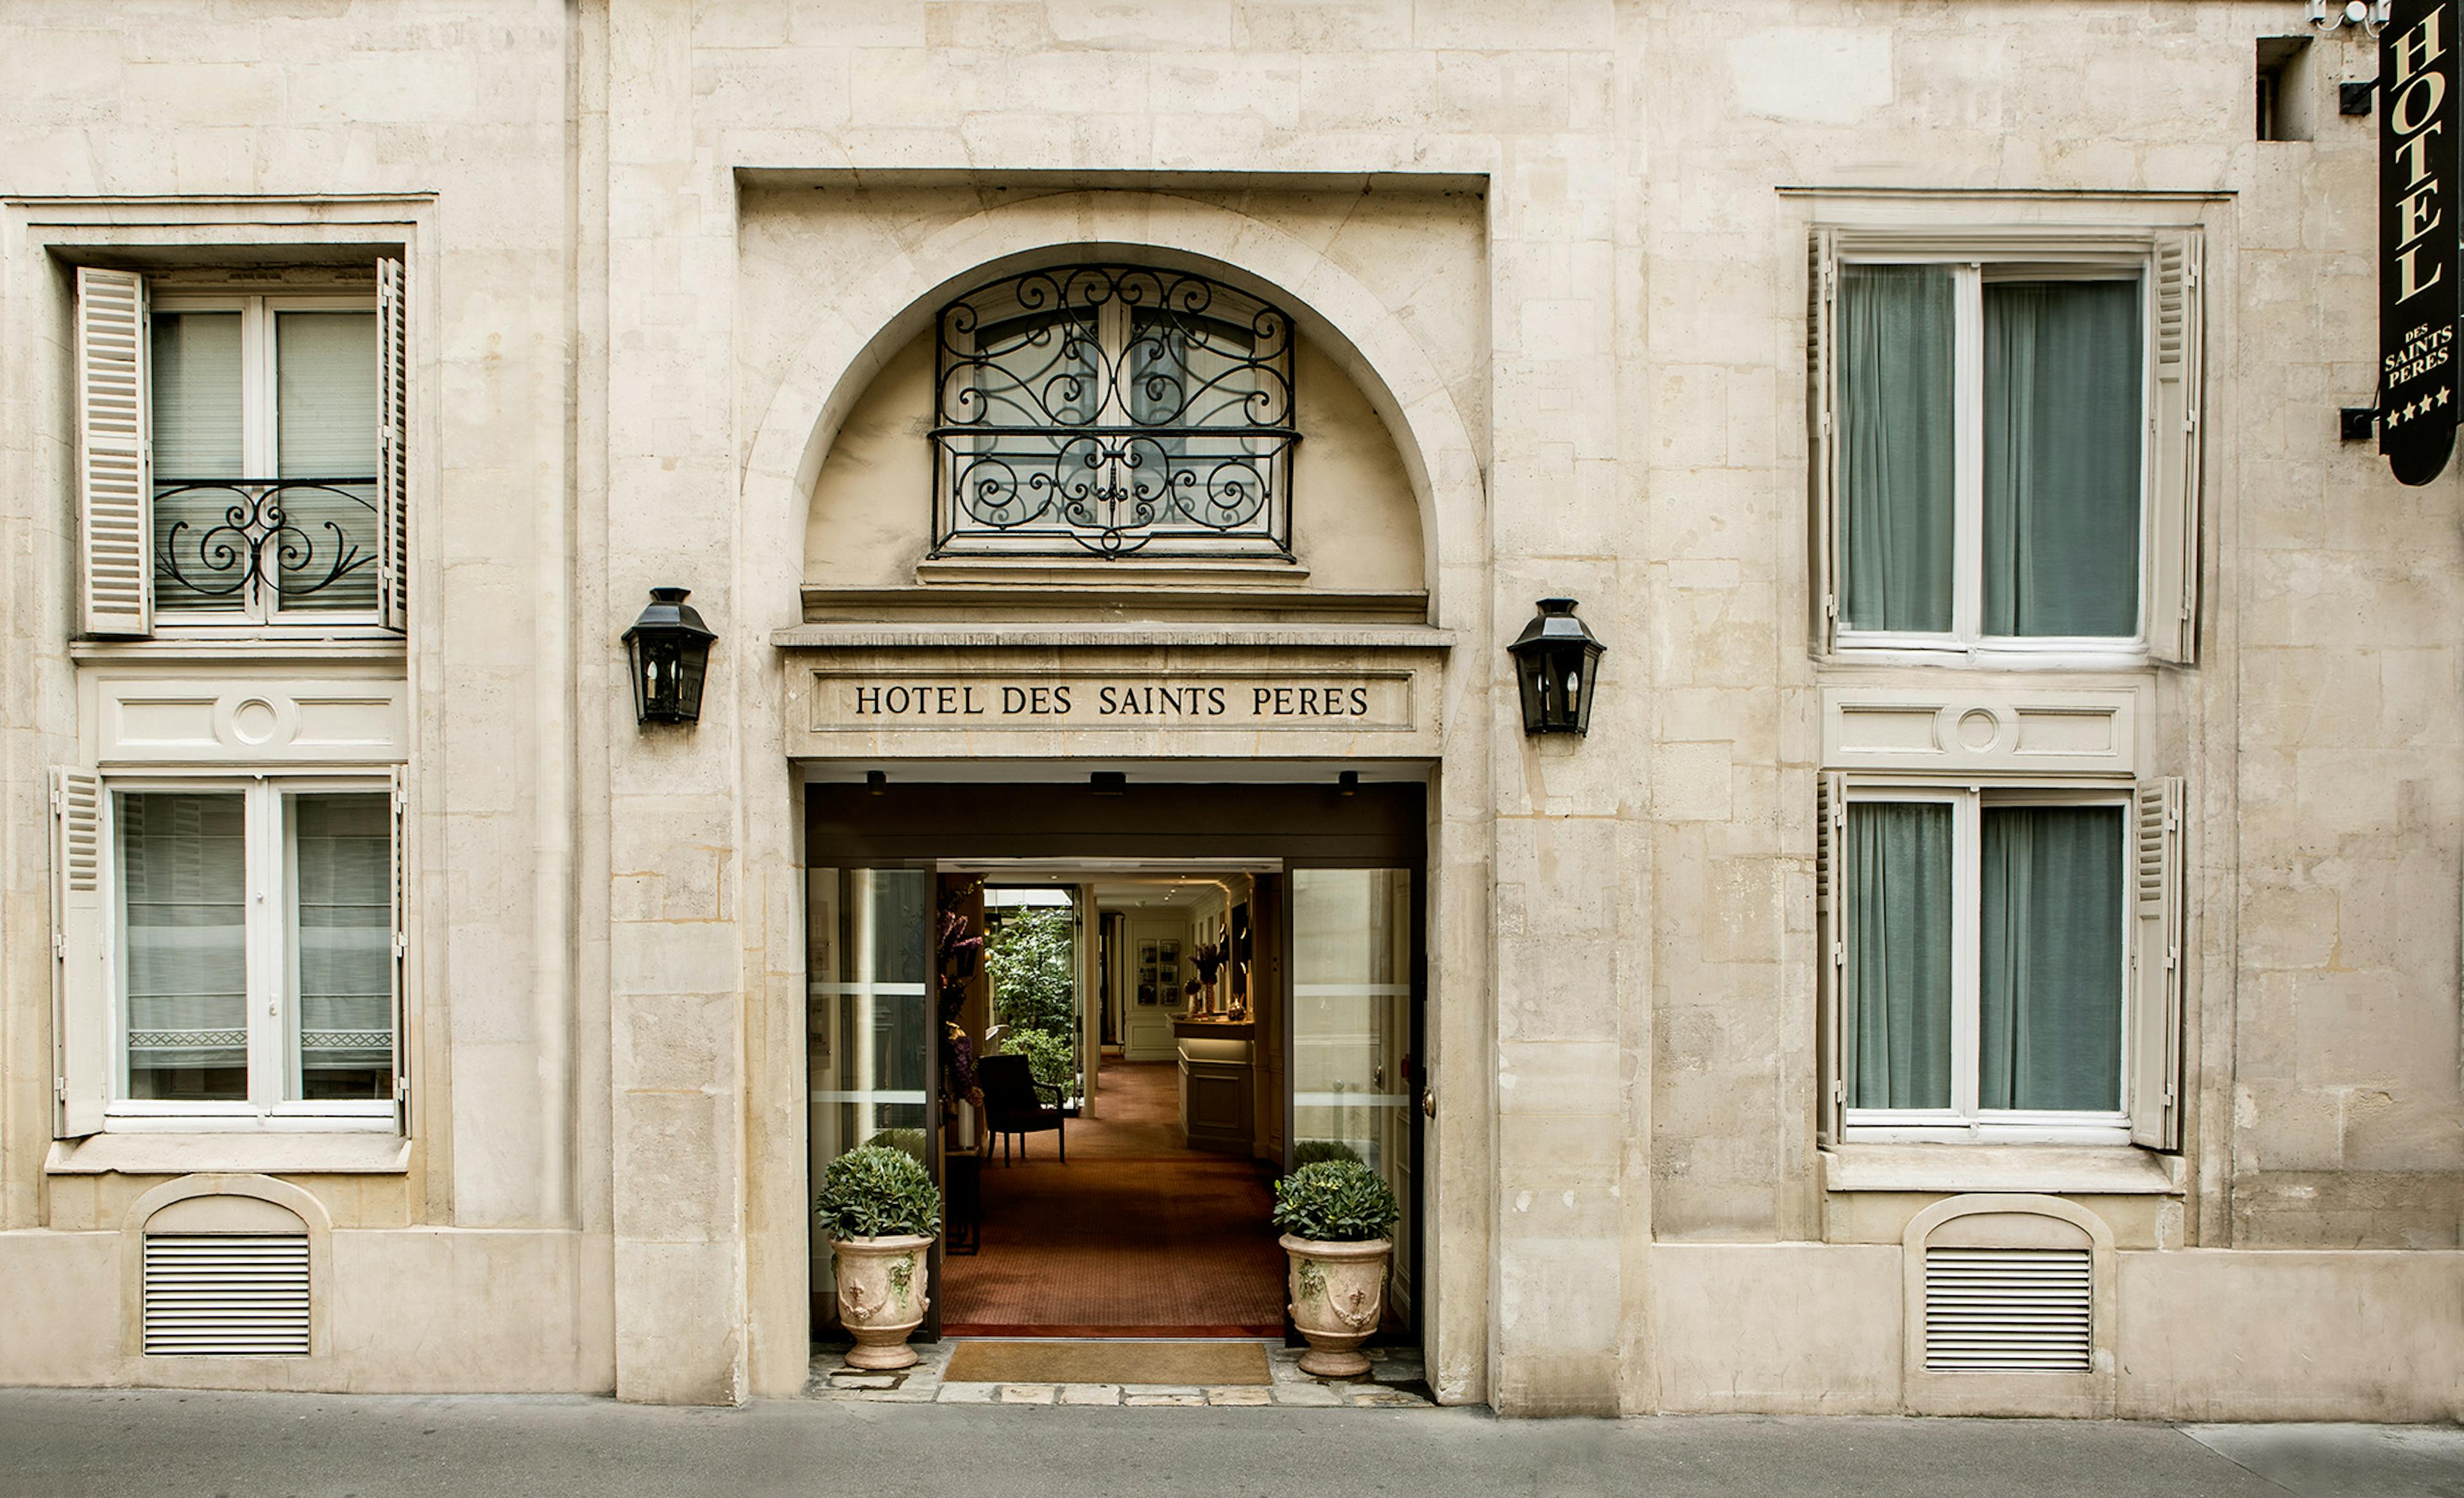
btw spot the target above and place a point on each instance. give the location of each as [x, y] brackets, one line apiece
[1113, 410]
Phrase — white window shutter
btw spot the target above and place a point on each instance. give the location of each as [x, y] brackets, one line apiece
[393, 443]
[81, 955]
[114, 487]
[401, 953]
[1829, 939]
[1822, 443]
[2157, 958]
[2173, 536]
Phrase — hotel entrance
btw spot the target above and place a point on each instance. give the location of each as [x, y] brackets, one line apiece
[1105, 1016]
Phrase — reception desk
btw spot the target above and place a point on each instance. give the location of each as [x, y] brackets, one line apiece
[1216, 1056]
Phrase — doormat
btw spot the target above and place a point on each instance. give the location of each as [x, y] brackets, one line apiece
[1108, 1362]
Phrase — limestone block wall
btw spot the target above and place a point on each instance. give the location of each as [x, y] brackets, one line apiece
[2315, 729]
[153, 124]
[1559, 247]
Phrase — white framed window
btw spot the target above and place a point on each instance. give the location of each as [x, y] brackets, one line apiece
[230, 952]
[243, 456]
[2006, 468]
[265, 458]
[2001, 961]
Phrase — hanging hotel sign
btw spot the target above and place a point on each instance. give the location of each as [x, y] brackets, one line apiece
[1250, 700]
[2418, 136]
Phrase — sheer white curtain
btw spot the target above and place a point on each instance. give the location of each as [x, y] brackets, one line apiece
[326, 426]
[343, 914]
[183, 888]
[198, 433]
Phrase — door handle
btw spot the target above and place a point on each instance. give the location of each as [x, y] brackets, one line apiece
[1428, 1103]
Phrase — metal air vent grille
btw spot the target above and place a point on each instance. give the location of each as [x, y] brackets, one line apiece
[2008, 1309]
[226, 1295]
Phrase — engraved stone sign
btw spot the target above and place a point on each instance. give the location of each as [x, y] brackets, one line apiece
[1250, 701]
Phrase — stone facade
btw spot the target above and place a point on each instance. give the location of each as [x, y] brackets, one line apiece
[669, 264]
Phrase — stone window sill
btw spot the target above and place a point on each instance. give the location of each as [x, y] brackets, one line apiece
[233, 1154]
[376, 646]
[2049, 1170]
[1114, 572]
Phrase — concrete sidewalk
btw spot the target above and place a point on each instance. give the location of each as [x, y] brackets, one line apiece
[165, 1445]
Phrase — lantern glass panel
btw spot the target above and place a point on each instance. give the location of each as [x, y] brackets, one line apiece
[1556, 659]
[669, 651]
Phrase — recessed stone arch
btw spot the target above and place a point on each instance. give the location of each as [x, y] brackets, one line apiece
[2014, 1221]
[244, 1204]
[1343, 316]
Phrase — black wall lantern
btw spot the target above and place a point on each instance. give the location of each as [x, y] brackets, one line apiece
[669, 650]
[1556, 660]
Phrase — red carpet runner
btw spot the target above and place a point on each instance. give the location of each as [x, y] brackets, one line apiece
[1134, 1237]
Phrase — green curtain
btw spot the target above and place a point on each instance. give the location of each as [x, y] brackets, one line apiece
[1897, 1023]
[2062, 445]
[2050, 1026]
[1895, 446]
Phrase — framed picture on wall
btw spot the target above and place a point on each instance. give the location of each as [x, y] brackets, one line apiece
[1149, 985]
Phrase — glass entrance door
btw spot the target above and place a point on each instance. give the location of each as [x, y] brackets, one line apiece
[1352, 1034]
[869, 1028]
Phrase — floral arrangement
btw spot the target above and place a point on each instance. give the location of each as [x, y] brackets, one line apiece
[957, 1062]
[958, 948]
[1209, 959]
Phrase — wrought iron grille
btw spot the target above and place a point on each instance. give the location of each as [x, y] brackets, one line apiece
[1113, 410]
[243, 544]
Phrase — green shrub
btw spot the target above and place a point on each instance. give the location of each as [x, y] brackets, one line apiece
[1050, 1057]
[878, 1192]
[1335, 1201]
[1313, 1151]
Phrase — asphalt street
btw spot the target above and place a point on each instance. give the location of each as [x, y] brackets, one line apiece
[173, 1444]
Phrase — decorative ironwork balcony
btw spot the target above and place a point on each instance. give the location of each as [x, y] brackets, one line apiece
[1113, 411]
[236, 542]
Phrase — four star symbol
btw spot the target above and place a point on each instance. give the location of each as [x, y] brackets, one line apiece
[2412, 410]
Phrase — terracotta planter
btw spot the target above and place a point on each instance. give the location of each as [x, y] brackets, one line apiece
[881, 1297]
[1338, 1293]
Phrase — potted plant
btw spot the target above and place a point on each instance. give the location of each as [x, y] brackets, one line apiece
[881, 1212]
[1335, 1214]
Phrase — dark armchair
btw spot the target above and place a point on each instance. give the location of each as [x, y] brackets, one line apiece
[1015, 1103]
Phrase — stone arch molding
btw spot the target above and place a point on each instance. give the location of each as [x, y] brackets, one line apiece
[264, 1194]
[2019, 1221]
[1338, 311]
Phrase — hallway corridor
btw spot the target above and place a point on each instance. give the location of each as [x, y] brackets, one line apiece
[1135, 1236]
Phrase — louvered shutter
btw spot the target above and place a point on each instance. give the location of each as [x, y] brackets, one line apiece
[393, 444]
[401, 957]
[1821, 453]
[226, 1295]
[81, 956]
[115, 484]
[2156, 960]
[2173, 536]
[2008, 1310]
[1830, 819]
